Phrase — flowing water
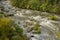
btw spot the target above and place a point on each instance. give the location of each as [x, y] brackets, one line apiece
[49, 28]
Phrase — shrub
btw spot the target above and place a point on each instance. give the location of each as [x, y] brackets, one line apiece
[9, 30]
[37, 28]
[58, 35]
[41, 5]
[54, 17]
[1, 15]
[34, 4]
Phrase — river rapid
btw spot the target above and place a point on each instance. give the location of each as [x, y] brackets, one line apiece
[48, 27]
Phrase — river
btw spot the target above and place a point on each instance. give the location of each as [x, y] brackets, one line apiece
[49, 28]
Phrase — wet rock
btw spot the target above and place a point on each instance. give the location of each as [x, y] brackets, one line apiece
[32, 35]
[8, 14]
[29, 29]
[29, 11]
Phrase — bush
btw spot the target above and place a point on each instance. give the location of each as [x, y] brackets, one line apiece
[58, 35]
[41, 5]
[9, 30]
[1, 15]
[37, 28]
[34, 4]
[54, 17]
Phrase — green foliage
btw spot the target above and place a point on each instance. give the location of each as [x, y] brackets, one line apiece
[9, 30]
[53, 8]
[1, 15]
[19, 30]
[43, 7]
[34, 4]
[58, 35]
[37, 28]
[54, 17]
[14, 2]
[47, 5]
[17, 3]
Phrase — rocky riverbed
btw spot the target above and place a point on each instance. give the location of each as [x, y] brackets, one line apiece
[27, 19]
